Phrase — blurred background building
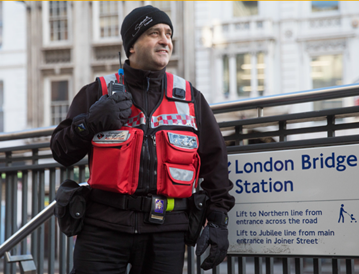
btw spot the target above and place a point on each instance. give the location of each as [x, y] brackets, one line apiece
[70, 43]
[229, 50]
[253, 48]
[13, 79]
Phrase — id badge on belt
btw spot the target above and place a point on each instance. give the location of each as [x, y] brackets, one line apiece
[158, 210]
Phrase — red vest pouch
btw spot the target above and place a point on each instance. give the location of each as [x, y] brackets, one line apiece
[116, 160]
[177, 163]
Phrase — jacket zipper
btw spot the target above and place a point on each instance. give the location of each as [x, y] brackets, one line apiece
[146, 181]
[154, 177]
[146, 96]
[148, 164]
[142, 170]
[136, 223]
[146, 157]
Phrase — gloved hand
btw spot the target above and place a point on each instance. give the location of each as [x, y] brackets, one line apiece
[216, 235]
[109, 112]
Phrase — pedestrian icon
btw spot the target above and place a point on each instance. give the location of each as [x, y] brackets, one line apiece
[341, 215]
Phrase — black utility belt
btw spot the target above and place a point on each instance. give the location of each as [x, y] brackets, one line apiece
[155, 205]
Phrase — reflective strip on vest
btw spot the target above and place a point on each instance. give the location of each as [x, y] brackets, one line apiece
[174, 119]
[109, 78]
[135, 121]
[105, 80]
[179, 82]
[183, 116]
[181, 174]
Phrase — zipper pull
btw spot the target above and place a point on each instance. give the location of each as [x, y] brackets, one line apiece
[154, 140]
[148, 83]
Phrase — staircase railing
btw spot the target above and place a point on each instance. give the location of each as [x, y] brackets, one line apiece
[29, 177]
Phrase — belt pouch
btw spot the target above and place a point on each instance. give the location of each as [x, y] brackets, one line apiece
[70, 207]
[197, 216]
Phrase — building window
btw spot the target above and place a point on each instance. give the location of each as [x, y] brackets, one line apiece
[1, 106]
[249, 77]
[1, 16]
[109, 17]
[244, 73]
[245, 8]
[327, 71]
[164, 6]
[318, 6]
[225, 60]
[260, 73]
[58, 20]
[244, 67]
[59, 101]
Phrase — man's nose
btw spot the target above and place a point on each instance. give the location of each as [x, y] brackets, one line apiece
[164, 39]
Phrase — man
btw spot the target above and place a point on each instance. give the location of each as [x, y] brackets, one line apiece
[156, 138]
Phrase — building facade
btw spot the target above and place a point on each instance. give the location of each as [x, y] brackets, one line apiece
[12, 66]
[70, 43]
[229, 50]
[253, 48]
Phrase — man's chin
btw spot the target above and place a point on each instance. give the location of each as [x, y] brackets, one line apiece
[161, 64]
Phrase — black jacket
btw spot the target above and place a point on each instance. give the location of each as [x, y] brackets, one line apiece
[146, 88]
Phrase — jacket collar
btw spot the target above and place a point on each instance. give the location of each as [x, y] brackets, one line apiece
[140, 78]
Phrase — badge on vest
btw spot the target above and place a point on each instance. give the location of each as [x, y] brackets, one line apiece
[111, 136]
[182, 141]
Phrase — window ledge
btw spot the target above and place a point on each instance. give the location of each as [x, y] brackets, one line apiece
[98, 44]
[331, 36]
[56, 47]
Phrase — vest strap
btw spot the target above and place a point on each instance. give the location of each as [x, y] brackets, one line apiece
[178, 89]
[105, 80]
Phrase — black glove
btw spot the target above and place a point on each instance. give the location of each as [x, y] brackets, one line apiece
[216, 235]
[109, 112]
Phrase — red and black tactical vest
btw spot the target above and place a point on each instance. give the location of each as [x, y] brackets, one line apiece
[156, 152]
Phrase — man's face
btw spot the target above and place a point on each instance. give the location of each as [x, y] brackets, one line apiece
[153, 49]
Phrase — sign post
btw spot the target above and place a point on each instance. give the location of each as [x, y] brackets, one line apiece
[295, 202]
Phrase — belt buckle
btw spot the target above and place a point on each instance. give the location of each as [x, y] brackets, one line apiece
[158, 210]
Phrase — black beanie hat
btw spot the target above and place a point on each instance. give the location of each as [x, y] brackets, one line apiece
[138, 21]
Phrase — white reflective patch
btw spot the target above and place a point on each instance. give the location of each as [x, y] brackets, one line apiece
[180, 83]
[182, 108]
[183, 141]
[115, 136]
[109, 78]
[181, 174]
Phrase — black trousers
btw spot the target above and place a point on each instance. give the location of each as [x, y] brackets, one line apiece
[106, 251]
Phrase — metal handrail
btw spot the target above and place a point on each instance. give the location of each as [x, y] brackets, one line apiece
[243, 104]
[27, 133]
[288, 98]
[23, 232]
[34, 223]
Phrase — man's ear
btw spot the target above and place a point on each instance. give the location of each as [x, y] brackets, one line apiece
[132, 50]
